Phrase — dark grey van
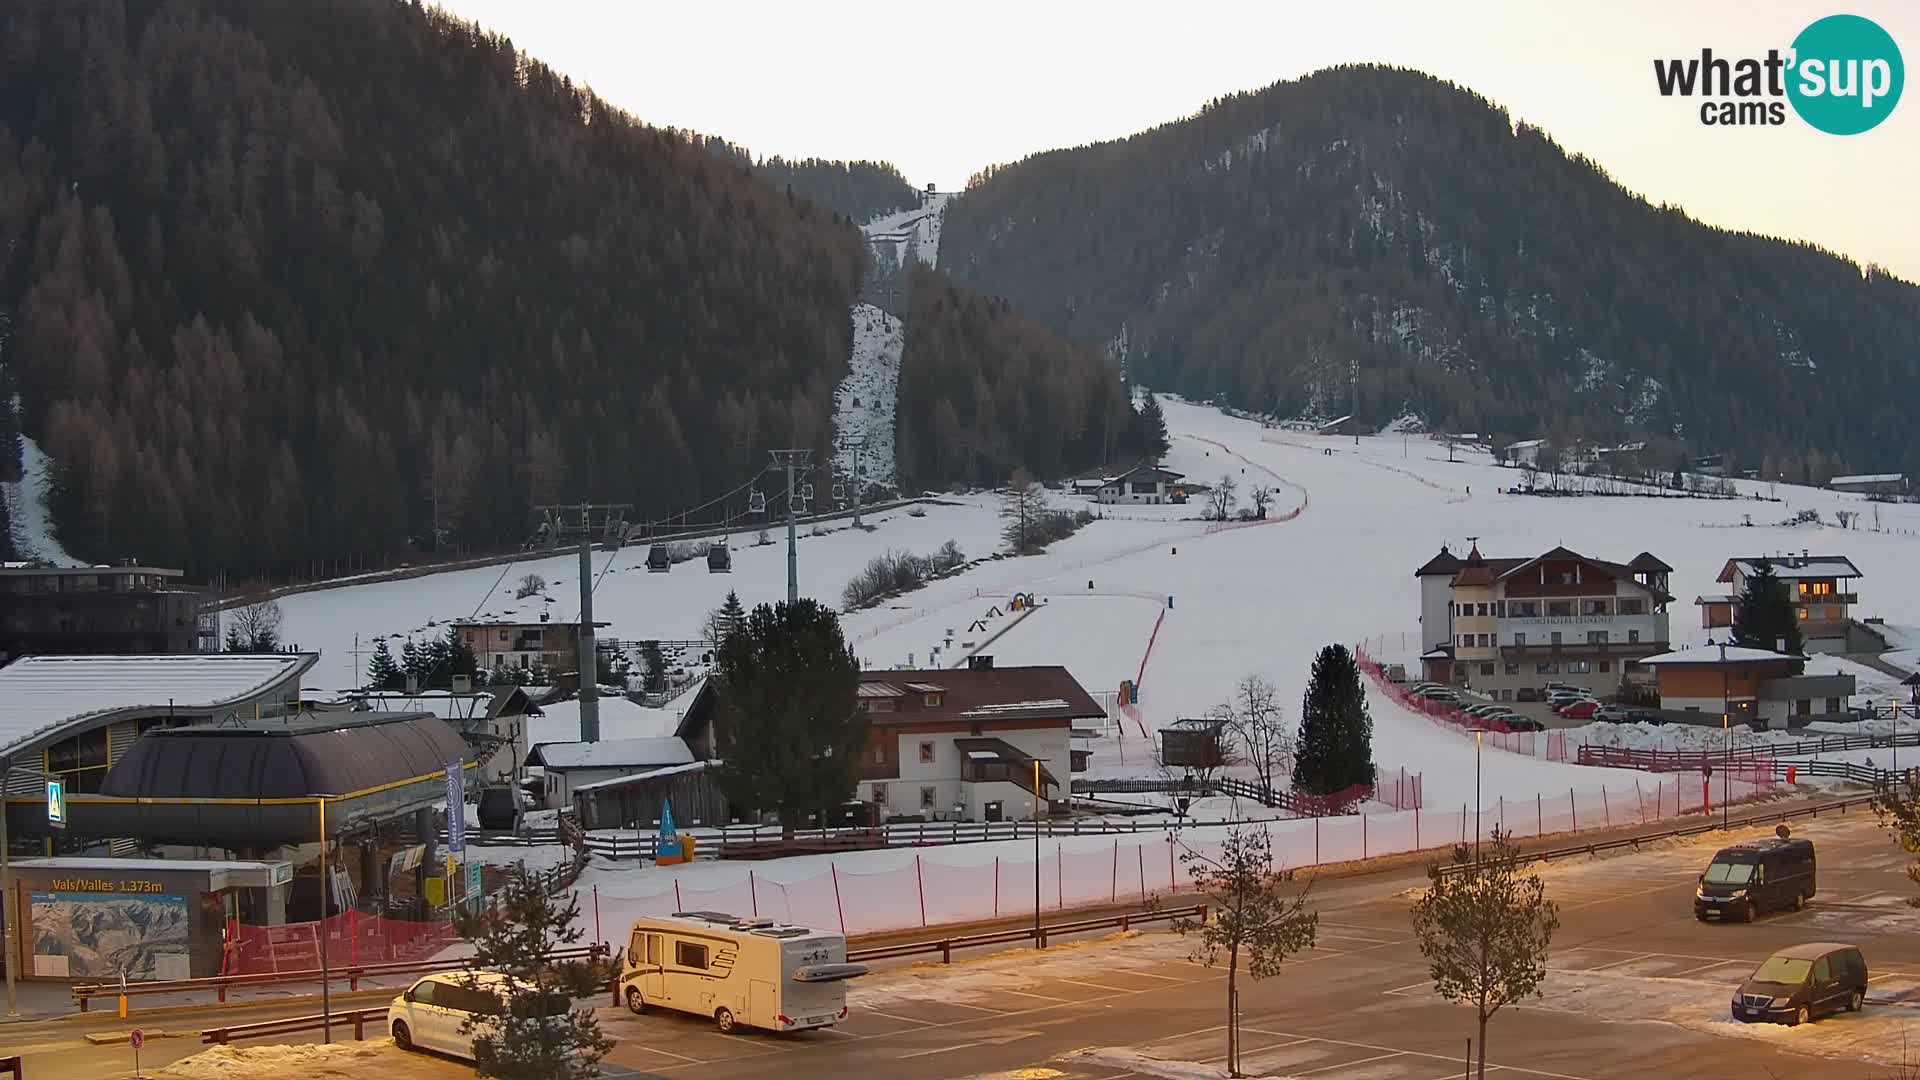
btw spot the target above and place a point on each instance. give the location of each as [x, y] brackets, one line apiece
[1804, 983]
[1755, 876]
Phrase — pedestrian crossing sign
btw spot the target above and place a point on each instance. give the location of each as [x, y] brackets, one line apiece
[56, 804]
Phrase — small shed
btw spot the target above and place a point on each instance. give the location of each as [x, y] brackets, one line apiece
[571, 765]
[634, 801]
[1198, 743]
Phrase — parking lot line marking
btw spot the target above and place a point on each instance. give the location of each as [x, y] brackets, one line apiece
[964, 1005]
[1418, 1053]
[902, 1019]
[1094, 986]
[1351, 1064]
[1050, 997]
[1151, 975]
[1628, 960]
[1409, 986]
[669, 1053]
[1703, 967]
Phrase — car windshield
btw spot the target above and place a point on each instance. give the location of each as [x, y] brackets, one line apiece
[1782, 969]
[1729, 873]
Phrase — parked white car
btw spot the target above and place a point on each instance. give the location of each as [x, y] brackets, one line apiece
[434, 1013]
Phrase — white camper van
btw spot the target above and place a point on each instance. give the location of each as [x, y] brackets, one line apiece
[741, 972]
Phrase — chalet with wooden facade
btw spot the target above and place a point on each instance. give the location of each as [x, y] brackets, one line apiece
[525, 646]
[1757, 687]
[1820, 587]
[1510, 626]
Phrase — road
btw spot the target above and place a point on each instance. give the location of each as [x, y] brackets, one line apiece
[1638, 989]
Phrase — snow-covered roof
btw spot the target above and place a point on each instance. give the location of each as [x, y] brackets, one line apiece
[1524, 444]
[1714, 598]
[1868, 478]
[1794, 567]
[650, 774]
[611, 754]
[42, 696]
[1711, 654]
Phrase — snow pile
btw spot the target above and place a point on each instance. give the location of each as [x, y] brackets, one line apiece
[619, 719]
[341, 1060]
[864, 402]
[27, 508]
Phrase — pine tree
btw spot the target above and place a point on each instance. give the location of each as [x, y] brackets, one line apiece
[725, 619]
[436, 659]
[1336, 731]
[414, 662]
[382, 672]
[460, 658]
[1150, 429]
[1764, 614]
[789, 737]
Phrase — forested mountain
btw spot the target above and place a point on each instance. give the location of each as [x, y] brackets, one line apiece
[984, 390]
[1476, 274]
[861, 190]
[291, 282]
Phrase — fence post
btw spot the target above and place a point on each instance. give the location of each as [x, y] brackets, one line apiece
[996, 886]
[1416, 826]
[1316, 839]
[920, 880]
[1140, 850]
[1173, 880]
[1363, 834]
[753, 895]
[1115, 898]
[677, 905]
[1059, 889]
[1575, 807]
[841, 911]
[1604, 807]
[1539, 817]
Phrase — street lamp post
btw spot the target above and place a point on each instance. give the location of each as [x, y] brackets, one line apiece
[1726, 728]
[326, 969]
[1038, 939]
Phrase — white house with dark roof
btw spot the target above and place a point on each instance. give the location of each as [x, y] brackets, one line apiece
[1146, 484]
[1820, 587]
[569, 766]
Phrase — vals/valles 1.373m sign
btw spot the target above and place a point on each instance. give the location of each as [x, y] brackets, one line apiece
[1842, 75]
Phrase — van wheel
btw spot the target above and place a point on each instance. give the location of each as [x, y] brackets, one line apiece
[1800, 1016]
[635, 1003]
[1747, 912]
[402, 1038]
[1799, 901]
[1856, 1000]
[723, 1019]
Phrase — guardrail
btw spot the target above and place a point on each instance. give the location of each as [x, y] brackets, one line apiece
[84, 994]
[1038, 934]
[356, 1018]
[1637, 839]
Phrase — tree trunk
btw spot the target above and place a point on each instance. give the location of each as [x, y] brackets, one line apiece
[1483, 1046]
[1233, 1013]
[788, 816]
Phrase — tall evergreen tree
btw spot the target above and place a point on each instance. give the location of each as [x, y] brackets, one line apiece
[1336, 731]
[1149, 435]
[461, 659]
[414, 661]
[788, 734]
[1763, 616]
[382, 672]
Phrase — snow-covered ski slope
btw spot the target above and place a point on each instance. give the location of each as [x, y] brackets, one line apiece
[27, 508]
[1254, 598]
[864, 402]
[909, 234]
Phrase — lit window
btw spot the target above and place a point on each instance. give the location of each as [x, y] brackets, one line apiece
[926, 753]
[1803, 613]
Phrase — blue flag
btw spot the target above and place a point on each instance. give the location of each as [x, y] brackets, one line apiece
[669, 839]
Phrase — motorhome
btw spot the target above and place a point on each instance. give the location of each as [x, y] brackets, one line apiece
[740, 972]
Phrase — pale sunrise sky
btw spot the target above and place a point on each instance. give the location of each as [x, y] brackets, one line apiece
[942, 90]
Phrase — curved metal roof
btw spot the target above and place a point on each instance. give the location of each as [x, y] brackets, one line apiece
[43, 698]
[321, 756]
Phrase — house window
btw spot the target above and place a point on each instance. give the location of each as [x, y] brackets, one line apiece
[879, 755]
[1465, 610]
[1547, 667]
[1593, 607]
[1500, 609]
[1556, 637]
[1145, 487]
[1606, 666]
[1482, 608]
[1506, 695]
[503, 635]
[926, 753]
[1579, 667]
[1631, 605]
[1596, 637]
[1803, 613]
[929, 798]
[1486, 669]
[1633, 636]
[1513, 669]
[933, 701]
[1559, 607]
[1833, 705]
[880, 794]
[1466, 641]
[1519, 638]
[1523, 609]
[1481, 641]
[687, 954]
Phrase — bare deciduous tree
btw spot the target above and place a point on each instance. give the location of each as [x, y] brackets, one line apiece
[1221, 499]
[1258, 723]
[1251, 916]
[1022, 504]
[1262, 497]
[254, 628]
[530, 585]
[1484, 928]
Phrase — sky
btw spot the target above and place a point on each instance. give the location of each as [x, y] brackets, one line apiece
[942, 90]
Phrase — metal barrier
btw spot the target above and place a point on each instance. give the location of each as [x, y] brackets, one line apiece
[1039, 934]
[83, 995]
[11, 1066]
[356, 1018]
[1637, 839]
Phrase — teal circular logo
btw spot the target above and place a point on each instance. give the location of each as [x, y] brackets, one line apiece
[1846, 75]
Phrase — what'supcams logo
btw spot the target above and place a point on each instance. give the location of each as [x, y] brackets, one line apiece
[1842, 75]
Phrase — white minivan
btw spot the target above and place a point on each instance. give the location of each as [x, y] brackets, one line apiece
[433, 1013]
[739, 972]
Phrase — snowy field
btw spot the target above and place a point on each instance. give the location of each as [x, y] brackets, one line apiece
[1334, 562]
[27, 508]
[864, 401]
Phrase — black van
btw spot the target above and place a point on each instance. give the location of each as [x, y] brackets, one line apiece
[1755, 876]
[1804, 982]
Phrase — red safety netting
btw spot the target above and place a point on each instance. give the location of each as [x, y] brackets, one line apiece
[349, 940]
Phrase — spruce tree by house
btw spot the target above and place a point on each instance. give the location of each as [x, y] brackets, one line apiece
[1148, 438]
[1763, 616]
[382, 672]
[1336, 731]
[460, 659]
[414, 661]
[788, 734]
[725, 618]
